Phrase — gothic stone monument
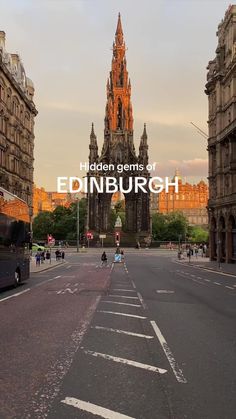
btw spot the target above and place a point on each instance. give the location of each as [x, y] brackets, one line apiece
[118, 148]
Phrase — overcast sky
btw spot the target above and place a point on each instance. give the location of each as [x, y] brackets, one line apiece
[65, 46]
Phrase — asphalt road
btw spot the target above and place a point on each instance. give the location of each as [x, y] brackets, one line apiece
[150, 338]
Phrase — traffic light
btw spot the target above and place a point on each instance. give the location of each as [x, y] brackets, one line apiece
[117, 237]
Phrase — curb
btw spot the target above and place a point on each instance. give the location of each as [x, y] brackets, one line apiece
[193, 265]
[48, 268]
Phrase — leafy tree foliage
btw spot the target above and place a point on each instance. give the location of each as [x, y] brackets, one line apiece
[169, 227]
[198, 234]
[42, 225]
[61, 223]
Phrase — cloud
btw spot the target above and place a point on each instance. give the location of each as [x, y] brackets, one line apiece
[188, 168]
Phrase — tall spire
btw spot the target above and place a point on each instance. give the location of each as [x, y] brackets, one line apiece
[119, 32]
[119, 108]
[92, 135]
[144, 135]
[93, 146]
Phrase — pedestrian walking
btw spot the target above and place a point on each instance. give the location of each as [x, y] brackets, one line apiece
[58, 254]
[63, 255]
[189, 253]
[104, 259]
[38, 258]
[48, 256]
[195, 248]
[42, 256]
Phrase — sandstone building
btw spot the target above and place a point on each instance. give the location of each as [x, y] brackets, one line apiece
[48, 201]
[191, 200]
[17, 113]
[221, 91]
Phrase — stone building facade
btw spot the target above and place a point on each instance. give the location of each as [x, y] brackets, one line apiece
[48, 201]
[221, 91]
[17, 113]
[191, 200]
[118, 148]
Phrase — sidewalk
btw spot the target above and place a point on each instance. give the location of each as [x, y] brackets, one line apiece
[44, 266]
[205, 263]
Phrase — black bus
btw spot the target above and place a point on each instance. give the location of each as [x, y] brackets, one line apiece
[15, 238]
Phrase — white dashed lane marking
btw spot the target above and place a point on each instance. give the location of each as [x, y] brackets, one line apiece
[122, 304]
[121, 314]
[123, 296]
[94, 409]
[175, 368]
[121, 289]
[15, 295]
[124, 332]
[126, 361]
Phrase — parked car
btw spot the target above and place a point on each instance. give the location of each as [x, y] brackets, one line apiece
[37, 247]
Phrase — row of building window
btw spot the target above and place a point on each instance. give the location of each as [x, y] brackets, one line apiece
[13, 164]
[17, 109]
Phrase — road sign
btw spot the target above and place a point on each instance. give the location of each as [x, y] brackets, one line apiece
[51, 240]
[117, 258]
[89, 235]
[102, 236]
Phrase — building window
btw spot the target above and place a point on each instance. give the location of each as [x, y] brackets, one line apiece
[1, 93]
[2, 157]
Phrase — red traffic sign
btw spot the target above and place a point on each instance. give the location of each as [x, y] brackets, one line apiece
[51, 240]
[89, 236]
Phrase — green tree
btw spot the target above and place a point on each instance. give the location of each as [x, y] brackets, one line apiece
[198, 234]
[42, 225]
[61, 223]
[159, 226]
[177, 225]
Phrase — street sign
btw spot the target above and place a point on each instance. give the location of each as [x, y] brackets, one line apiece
[117, 258]
[51, 240]
[102, 236]
[89, 235]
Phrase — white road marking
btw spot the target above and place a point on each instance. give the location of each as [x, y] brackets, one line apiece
[55, 277]
[94, 409]
[121, 314]
[217, 283]
[208, 280]
[121, 289]
[122, 304]
[141, 300]
[230, 288]
[15, 295]
[67, 290]
[219, 273]
[124, 332]
[164, 292]
[199, 277]
[123, 296]
[234, 285]
[127, 362]
[201, 283]
[68, 267]
[175, 368]
[61, 365]
[132, 282]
